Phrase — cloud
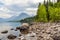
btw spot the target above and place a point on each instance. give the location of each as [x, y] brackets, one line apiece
[16, 8]
[11, 8]
[31, 11]
[9, 2]
[5, 15]
[1, 4]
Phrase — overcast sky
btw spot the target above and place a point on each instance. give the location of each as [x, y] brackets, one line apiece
[9, 8]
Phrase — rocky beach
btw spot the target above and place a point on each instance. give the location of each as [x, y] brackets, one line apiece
[46, 31]
[35, 31]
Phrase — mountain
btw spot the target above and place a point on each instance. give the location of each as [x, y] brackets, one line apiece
[1, 19]
[19, 17]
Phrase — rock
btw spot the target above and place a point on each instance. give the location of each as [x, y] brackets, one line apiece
[4, 32]
[37, 32]
[31, 24]
[56, 38]
[25, 24]
[12, 29]
[32, 36]
[17, 28]
[24, 30]
[11, 36]
[20, 34]
[23, 39]
[56, 29]
[19, 38]
[40, 36]
[48, 32]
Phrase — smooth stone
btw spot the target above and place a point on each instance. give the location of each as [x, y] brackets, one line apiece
[17, 28]
[4, 32]
[25, 24]
[32, 36]
[11, 36]
[12, 29]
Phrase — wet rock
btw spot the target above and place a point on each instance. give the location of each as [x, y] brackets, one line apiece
[20, 34]
[4, 32]
[11, 36]
[12, 29]
[17, 28]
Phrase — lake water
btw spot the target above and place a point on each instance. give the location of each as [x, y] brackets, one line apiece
[7, 26]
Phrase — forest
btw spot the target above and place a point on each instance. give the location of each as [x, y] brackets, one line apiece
[48, 12]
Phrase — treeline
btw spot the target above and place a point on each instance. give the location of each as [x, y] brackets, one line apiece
[28, 20]
[48, 12]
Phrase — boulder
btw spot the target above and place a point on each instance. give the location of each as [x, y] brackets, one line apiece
[17, 28]
[25, 25]
[24, 29]
[11, 36]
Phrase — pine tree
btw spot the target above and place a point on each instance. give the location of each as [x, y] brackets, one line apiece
[47, 9]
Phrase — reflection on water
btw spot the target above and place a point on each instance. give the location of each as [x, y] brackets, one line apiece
[8, 26]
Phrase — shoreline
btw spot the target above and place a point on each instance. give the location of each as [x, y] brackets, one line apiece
[38, 31]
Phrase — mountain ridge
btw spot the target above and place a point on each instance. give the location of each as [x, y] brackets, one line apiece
[15, 18]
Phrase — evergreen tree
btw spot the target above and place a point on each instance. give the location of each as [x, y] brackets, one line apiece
[58, 0]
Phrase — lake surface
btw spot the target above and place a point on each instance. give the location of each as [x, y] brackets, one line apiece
[7, 26]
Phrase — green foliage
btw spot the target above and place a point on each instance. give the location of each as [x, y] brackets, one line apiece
[41, 14]
[57, 5]
[50, 4]
[54, 12]
[28, 20]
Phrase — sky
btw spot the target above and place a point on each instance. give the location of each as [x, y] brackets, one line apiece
[9, 8]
